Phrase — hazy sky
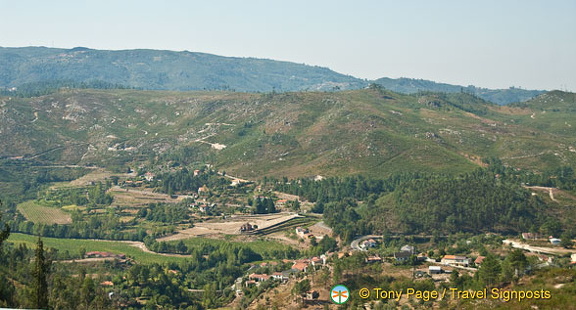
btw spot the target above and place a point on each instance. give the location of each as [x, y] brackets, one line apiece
[495, 44]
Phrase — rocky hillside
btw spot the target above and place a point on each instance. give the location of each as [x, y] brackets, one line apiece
[370, 131]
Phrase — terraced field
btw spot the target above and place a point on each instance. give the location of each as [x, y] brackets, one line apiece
[42, 214]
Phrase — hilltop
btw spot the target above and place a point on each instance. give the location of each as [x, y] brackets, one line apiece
[33, 69]
[164, 70]
[369, 131]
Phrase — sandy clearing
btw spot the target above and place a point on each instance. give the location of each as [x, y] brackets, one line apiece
[230, 226]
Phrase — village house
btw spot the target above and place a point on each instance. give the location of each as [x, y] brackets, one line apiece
[280, 276]
[300, 266]
[316, 261]
[402, 256]
[203, 191]
[422, 256]
[370, 243]
[478, 261]
[555, 241]
[281, 203]
[246, 227]
[301, 232]
[530, 236]
[408, 248]
[455, 260]
[373, 259]
[206, 208]
[149, 176]
[312, 295]
[258, 277]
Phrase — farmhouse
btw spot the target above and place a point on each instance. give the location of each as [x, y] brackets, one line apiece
[370, 243]
[530, 236]
[478, 261]
[246, 227]
[258, 277]
[302, 231]
[373, 259]
[408, 248]
[402, 256]
[149, 176]
[456, 260]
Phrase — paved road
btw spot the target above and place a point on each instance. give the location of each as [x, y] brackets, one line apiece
[536, 249]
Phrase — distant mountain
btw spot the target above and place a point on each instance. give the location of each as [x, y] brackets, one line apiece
[165, 70]
[499, 96]
[370, 131]
[35, 69]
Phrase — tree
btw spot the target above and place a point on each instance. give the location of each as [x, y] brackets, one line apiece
[566, 240]
[489, 272]
[301, 287]
[41, 270]
[518, 261]
[4, 233]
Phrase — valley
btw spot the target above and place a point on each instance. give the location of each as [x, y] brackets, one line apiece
[234, 200]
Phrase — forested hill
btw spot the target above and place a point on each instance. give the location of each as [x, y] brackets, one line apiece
[166, 70]
[34, 68]
[499, 96]
[369, 131]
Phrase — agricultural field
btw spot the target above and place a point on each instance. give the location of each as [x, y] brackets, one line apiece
[41, 214]
[73, 246]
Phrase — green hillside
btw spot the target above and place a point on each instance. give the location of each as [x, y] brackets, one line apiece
[369, 131]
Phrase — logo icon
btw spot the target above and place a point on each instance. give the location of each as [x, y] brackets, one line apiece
[339, 294]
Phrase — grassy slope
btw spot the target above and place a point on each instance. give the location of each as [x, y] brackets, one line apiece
[73, 246]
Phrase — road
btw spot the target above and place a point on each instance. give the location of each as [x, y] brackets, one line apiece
[536, 249]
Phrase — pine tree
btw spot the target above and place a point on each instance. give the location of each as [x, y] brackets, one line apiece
[41, 270]
[490, 270]
[4, 233]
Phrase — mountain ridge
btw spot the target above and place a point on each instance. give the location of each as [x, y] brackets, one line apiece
[184, 70]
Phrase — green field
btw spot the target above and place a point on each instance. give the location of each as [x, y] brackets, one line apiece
[42, 214]
[73, 246]
[259, 246]
[119, 247]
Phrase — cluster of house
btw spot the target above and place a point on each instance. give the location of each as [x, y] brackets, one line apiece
[536, 236]
[304, 233]
[298, 266]
[202, 207]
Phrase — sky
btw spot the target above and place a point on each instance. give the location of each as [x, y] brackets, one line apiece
[493, 44]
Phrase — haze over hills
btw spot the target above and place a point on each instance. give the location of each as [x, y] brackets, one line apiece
[370, 131]
[169, 70]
